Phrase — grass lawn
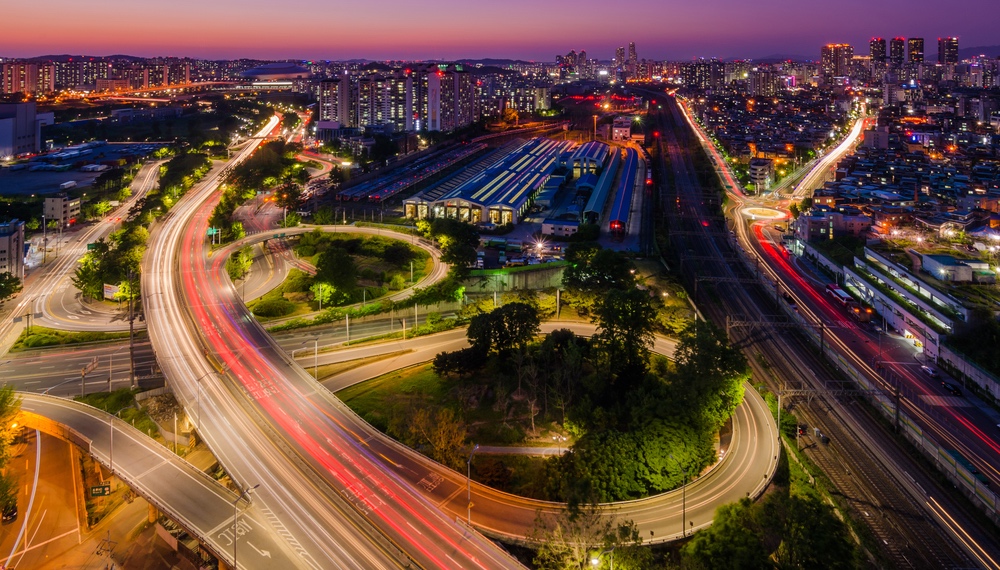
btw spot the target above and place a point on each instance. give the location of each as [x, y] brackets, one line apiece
[123, 401]
[417, 385]
[328, 370]
[40, 337]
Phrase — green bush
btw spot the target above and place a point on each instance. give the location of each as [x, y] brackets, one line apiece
[273, 307]
[40, 340]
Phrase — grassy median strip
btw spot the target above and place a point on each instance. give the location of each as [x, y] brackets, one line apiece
[329, 370]
[41, 337]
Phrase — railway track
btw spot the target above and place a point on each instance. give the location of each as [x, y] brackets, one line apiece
[906, 537]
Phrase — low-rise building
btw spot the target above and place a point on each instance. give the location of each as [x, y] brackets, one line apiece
[62, 208]
[761, 173]
[830, 225]
[12, 248]
[560, 228]
[621, 129]
[950, 268]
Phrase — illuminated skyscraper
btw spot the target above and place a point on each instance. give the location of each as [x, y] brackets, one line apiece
[876, 49]
[835, 60]
[633, 60]
[897, 51]
[947, 50]
[916, 50]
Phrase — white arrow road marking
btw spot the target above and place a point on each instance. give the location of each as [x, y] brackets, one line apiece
[263, 553]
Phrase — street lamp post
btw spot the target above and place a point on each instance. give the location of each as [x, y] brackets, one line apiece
[236, 514]
[315, 355]
[111, 364]
[596, 560]
[683, 497]
[111, 453]
[468, 480]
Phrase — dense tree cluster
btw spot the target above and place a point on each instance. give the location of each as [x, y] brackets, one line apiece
[10, 284]
[110, 260]
[10, 407]
[458, 242]
[641, 429]
[272, 167]
[780, 531]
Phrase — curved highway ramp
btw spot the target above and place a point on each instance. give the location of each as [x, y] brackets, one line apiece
[199, 504]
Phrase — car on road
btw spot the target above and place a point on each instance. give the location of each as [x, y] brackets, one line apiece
[929, 371]
[953, 389]
[9, 513]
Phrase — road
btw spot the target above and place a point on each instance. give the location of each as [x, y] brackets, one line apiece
[744, 471]
[52, 525]
[201, 505]
[58, 301]
[325, 491]
[914, 536]
[751, 452]
[820, 172]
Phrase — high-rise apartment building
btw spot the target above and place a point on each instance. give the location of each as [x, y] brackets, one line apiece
[836, 60]
[333, 101]
[93, 69]
[450, 99]
[897, 52]
[633, 60]
[947, 50]
[764, 83]
[29, 78]
[915, 50]
[876, 50]
[620, 58]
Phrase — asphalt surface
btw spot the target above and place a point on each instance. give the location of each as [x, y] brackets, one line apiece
[744, 469]
[324, 492]
[911, 531]
[57, 300]
[52, 525]
[193, 499]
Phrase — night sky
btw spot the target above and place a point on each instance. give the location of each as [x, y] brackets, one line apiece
[452, 29]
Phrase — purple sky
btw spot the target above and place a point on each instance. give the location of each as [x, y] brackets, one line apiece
[449, 29]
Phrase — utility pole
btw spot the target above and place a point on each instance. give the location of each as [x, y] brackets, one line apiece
[131, 330]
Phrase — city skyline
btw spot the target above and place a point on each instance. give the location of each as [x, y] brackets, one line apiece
[393, 30]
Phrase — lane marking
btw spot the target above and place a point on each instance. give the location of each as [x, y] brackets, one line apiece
[31, 501]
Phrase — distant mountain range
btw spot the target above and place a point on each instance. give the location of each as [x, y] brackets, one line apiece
[988, 51]
[964, 53]
[778, 58]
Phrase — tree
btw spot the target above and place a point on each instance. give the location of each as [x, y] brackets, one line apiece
[336, 267]
[322, 292]
[444, 433]
[735, 540]
[10, 407]
[594, 271]
[324, 216]
[9, 285]
[710, 373]
[573, 538]
[625, 322]
[503, 329]
[813, 536]
[239, 263]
